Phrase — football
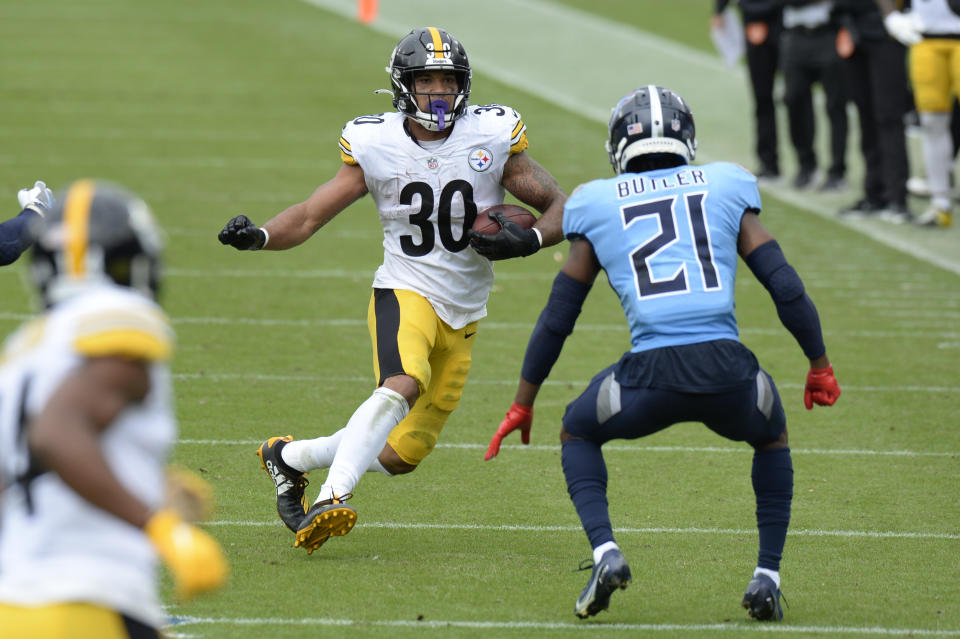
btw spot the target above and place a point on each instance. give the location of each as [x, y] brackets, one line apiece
[488, 226]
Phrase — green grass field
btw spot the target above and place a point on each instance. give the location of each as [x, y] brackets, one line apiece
[216, 108]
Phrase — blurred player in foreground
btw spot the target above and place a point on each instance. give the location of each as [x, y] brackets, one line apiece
[17, 233]
[430, 167]
[86, 424]
[667, 234]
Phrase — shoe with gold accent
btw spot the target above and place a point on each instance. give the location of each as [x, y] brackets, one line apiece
[290, 483]
[325, 519]
[935, 217]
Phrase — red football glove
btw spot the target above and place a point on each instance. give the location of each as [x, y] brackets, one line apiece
[821, 388]
[517, 417]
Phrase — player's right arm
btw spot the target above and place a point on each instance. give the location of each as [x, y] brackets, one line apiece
[556, 322]
[796, 310]
[65, 438]
[296, 224]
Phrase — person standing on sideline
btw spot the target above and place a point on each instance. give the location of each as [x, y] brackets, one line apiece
[932, 31]
[876, 74]
[667, 234]
[86, 425]
[430, 167]
[808, 54]
[762, 24]
[17, 233]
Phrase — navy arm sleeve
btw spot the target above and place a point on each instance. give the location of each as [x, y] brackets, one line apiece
[556, 322]
[794, 306]
[16, 236]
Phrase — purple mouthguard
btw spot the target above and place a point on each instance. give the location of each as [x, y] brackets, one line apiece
[439, 107]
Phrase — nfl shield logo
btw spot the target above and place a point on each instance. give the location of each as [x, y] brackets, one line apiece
[433, 163]
[479, 159]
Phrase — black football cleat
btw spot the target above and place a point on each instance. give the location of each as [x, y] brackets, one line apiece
[611, 573]
[325, 519]
[762, 599]
[290, 483]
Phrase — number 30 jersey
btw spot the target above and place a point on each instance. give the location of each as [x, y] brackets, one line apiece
[667, 240]
[428, 197]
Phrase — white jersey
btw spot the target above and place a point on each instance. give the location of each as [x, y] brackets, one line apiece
[936, 18]
[54, 545]
[428, 199]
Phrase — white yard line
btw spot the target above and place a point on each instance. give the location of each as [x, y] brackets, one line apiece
[571, 627]
[396, 525]
[631, 448]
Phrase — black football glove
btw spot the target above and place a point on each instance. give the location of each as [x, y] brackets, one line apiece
[512, 241]
[242, 234]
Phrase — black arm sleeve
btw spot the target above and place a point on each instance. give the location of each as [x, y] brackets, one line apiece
[16, 236]
[794, 306]
[556, 322]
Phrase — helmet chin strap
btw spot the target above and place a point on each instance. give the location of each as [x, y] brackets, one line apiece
[439, 108]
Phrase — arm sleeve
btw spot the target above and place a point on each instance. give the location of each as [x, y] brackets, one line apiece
[555, 324]
[16, 236]
[794, 307]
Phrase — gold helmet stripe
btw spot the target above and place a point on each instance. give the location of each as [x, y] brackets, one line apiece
[437, 42]
[76, 221]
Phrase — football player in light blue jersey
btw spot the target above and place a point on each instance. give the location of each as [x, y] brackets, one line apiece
[668, 234]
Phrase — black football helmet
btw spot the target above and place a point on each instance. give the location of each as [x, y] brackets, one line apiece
[97, 232]
[647, 121]
[429, 49]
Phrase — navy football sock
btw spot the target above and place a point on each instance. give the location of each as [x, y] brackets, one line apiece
[773, 484]
[586, 475]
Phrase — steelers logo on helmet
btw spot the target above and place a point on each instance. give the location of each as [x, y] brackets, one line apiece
[650, 121]
[429, 49]
[97, 234]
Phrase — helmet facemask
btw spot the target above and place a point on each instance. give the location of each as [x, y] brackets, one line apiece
[429, 49]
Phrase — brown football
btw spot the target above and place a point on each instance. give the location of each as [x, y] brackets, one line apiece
[488, 226]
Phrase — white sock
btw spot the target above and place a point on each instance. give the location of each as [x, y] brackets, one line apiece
[362, 439]
[602, 548]
[937, 156]
[773, 574]
[309, 454]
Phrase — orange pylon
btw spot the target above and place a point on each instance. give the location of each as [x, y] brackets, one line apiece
[366, 11]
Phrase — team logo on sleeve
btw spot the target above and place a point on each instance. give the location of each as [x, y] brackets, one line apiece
[480, 159]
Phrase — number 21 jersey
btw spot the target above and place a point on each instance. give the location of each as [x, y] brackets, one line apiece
[667, 240]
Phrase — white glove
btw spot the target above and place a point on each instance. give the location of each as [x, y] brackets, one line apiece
[904, 27]
[39, 198]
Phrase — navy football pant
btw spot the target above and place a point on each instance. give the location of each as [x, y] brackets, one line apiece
[608, 411]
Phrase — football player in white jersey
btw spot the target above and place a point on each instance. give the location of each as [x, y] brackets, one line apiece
[430, 167]
[86, 423]
[931, 30]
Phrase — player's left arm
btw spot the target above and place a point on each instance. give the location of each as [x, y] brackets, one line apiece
[533, 185]
[797, 312]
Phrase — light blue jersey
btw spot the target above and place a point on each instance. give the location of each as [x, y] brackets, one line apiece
[667, 240]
